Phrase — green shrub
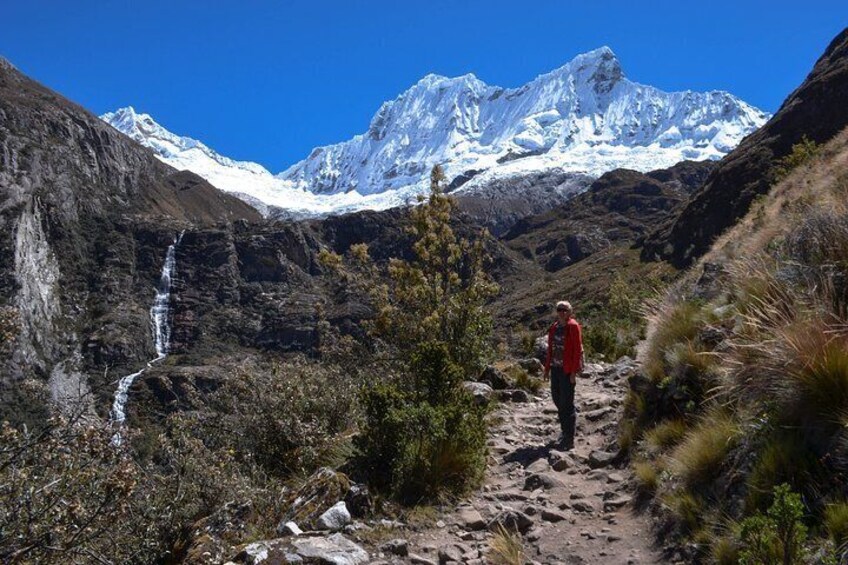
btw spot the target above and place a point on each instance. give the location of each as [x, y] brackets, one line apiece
[687, 509]
[725, 551]
[506, 548]
[777, 537]
[423, 437]
[801, 153]
[523, 379]
[288, 419]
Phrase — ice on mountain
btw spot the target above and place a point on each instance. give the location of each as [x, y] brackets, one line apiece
[585, 116]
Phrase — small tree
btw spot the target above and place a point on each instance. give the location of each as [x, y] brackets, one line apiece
[778, 537]
[423, 436]
[442, 294]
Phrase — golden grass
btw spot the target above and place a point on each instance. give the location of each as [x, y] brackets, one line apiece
[686, 507]
[674, 324]
[666, 434]
[699, 457]
[506, 548]
[647, 477]
[836, 523]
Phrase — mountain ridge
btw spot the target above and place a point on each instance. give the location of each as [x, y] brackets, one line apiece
[585, 116]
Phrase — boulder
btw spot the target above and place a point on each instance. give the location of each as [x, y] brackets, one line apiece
[321, 491]
[543, 481]
[531, 365]
[481, 392]
[496, 378]
[335, 549]
[335, 518]
[358, 501]
[396, 547]
[470, 519]
[511, 520]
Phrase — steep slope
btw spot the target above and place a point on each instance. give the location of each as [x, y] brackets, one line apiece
[86, 214]
[584, 117]
[817, 109]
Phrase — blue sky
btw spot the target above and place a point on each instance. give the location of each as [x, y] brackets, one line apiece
[268, 80]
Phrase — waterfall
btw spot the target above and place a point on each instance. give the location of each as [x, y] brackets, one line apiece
[160, 327]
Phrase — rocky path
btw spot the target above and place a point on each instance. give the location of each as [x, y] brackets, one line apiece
[571, 507]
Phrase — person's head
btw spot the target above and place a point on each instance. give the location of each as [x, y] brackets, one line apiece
[564, 310]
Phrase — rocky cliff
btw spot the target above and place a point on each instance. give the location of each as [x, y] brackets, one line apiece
[85, 217]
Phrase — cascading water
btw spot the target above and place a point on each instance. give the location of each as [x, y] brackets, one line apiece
[161, 328]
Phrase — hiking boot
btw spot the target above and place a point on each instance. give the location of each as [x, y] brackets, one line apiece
[564, 443]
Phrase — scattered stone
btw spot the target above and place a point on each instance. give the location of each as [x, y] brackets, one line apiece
[289, 529]
[595, 415]
[470, 519]
[583, 506]
[538, 466]
[618, 502]
[531, 365]
[553, 516]
[543, 481]
[396, 547]
[450, 553]
[519, 395]
[511, 520]
[598, 459]
[597, 475]
[615, 478]
[560, 460]
[417, 559]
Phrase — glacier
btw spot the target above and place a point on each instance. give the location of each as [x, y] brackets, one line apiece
[585, 117]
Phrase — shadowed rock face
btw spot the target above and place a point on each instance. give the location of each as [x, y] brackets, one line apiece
[818, 109]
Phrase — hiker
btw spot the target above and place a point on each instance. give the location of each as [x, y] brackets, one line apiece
[563, 365]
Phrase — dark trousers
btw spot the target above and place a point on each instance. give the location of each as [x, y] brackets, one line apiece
[562, 391]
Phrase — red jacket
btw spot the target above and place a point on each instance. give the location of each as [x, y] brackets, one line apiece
[572, 349]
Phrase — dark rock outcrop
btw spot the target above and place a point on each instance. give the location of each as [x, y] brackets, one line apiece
[619, 208]
[817, 109]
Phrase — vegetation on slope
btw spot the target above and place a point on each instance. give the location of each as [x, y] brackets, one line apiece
[744, 393]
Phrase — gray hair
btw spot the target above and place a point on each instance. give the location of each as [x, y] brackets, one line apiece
[565, 304]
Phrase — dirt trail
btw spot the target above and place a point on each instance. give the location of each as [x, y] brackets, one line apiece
[572, 507]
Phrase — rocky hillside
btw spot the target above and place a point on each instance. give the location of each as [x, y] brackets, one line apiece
[816, 109]
[86, 216]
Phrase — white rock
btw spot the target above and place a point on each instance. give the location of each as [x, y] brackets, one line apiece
[335, 518]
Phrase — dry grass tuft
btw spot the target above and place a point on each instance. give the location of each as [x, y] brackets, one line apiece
[699, 457]
[506, 548]
[666, 435]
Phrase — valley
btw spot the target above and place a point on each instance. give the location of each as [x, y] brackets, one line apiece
[204, 362]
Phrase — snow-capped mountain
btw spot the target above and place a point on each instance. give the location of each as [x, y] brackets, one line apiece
[583, 117]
